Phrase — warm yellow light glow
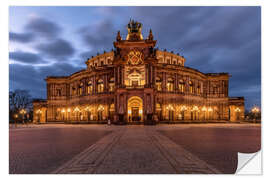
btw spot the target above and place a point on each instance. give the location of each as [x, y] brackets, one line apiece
[68, 110]
[100, 108]
[195, 108]
[38, 111]
[63, 111]
[183, 108]
[169, 107]
[16, 115]
[76, 109]
[129, 111]
[210, 109]
[255, 110]
[140, 111]
[204, 108]
[22, 111]
[237, 109]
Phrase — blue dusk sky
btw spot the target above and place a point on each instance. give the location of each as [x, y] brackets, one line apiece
[56, 41]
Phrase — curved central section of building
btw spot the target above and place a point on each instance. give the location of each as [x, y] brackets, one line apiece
[137, 83]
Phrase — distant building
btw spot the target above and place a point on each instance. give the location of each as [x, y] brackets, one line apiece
[137, 83]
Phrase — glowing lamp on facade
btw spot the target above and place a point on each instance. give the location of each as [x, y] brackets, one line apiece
[237, 109]
[210, 109]
[204, 108]
[76, 109]
[22, 111]
[129, 111]
[38, 111]
[140, 111]
[63, 111]
[16, 115]
[169, 107]
[68, 110]
[255, 110]
[195, 108]
[87, 108]
[100, 108]
[183, 108]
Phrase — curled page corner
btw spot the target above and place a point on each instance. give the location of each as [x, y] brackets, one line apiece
[249, 163]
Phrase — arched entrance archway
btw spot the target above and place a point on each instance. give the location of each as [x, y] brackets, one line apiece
[135, 109]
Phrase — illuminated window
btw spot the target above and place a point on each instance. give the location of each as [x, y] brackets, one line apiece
[191, 89]
[170, 84]
[73, 91]
[158, 83]
[111, 84]
[100, 85]
[198, 90]
[181, 86]
[80, 89]
[89, 87]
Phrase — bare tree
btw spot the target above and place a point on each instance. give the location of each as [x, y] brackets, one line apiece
[18, 100]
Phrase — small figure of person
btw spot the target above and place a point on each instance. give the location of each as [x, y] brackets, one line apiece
[109, 122]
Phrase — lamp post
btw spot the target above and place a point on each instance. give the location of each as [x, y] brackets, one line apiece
[39, 113]
[16, 117]
[237, 110]
[88, 109]
[23, 112]
[183, 109]
[76, 110]
[63, 114]
[204, 109]
[255, 110]
[195, 109]
[68, 111]
[210, 110]
[100, 111]
[170, 109]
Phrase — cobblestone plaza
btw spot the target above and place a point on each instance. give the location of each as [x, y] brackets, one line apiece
[134, 149]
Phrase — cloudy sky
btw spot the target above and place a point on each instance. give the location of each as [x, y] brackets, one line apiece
[58, 40]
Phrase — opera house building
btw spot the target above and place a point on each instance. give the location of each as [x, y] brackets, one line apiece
[136, 83]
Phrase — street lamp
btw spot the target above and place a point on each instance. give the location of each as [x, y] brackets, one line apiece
[170, 109]
[237, 110]
[204, 109]
[183, 109]
[255, 110]
[63, 114]
[195, 109]
[210, 110]
[68, 110]
[16, 117]
[39, 113]
[88, 109]
[76, 110]
[23, 112]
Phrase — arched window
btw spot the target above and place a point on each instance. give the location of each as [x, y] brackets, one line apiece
[100, 85]
[191, 89]
[158, 83]
[89, 87]
[170, 84]
[73, 90]
[80, 89]
[181, 86]
[111, 84]
[198, 90]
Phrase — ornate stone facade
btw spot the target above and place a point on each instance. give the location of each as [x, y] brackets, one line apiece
[137, 83]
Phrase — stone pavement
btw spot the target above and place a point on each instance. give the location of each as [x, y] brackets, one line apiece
[135, 150]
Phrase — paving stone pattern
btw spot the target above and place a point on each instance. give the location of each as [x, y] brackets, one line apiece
[135, 150]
